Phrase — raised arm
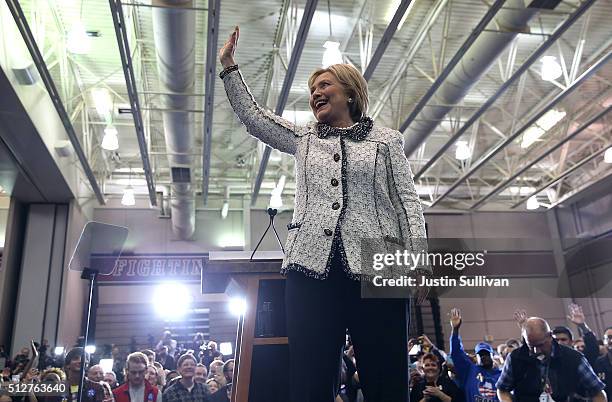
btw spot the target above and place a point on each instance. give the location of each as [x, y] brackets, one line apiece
[261, 123]
[591, 347]
[461, 360]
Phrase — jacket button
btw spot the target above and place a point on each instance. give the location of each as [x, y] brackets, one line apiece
[336, 157]
[335, 205]
[328, 232]
[334, 182]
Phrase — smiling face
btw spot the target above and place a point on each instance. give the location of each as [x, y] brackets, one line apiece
[430, 369]
[329, 102]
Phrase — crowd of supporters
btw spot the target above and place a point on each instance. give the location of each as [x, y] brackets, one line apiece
[164, 371]
[539, 363]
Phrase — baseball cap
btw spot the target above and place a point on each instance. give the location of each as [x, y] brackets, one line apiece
[484, 346]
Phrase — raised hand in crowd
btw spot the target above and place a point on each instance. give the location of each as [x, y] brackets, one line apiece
[520, 316]
[591, 345]
[455, 319]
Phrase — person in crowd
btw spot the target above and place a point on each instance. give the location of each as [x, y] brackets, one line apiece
[591, 347]
[111, 379]
[477, 380]
[150, 355]
[603, 364]
[433, 387]
[224, 393]
[216, 371]
[137, 388]
[92, 391]
[166, 360]
[580, 346]
[95, 373]
[166, 340]
[543, 368]
[212, 385]
[200, 373]
[346, 154]
[118, 363]
[161, 374]
[210, 354]
[151, 375]
[198, 342]
[563, 335]
[186, 389]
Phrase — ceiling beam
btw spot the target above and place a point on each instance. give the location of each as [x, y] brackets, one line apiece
[522, 170]
[132, 90]
[212, 37]
[309, 10]
[386, 38]
[565, 174]
[562, 95]
[535, 56]
[37, 57]
[488, 17]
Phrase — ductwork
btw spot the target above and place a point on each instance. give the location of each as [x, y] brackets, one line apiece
[174, 34]
[510, 20]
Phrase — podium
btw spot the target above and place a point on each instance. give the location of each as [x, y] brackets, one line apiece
[261, 367]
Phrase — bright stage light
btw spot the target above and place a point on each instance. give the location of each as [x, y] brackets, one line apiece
[237, 306]
[172, 300]
[533, 203]
[91, 349]
[58, 351]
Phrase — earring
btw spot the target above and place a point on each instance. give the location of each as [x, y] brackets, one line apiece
[350, 100]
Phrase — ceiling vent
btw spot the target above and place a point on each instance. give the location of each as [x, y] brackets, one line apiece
[181, 175]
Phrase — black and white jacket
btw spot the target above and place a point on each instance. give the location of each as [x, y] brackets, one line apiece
[355, 182]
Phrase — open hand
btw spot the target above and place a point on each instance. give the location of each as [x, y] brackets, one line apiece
[455, 318]
[576, 315]
[226, 54]
[520, 316]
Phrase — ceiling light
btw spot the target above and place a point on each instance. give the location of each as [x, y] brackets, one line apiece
[463, 151]
[103, 101]
[77, 41]
[608, 155]
[551, 69]
[332, 54]
[128, 198]
[544, 123]
[533, 203]
[224, 209]
[110, 142]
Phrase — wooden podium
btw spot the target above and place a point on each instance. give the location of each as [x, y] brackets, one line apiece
[261, 359]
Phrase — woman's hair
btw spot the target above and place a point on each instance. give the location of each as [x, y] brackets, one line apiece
[430, 356]
[355, 86]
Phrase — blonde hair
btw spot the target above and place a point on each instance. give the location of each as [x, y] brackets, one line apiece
[137, 357]
[355, 87]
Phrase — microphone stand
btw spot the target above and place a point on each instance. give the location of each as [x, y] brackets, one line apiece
[90, 275]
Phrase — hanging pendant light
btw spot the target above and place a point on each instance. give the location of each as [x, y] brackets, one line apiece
[332, 53]
[551, 69]
[110, 141]
[128, 198]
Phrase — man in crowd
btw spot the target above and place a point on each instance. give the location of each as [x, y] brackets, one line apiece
[150, 355]
[95, 373]
[603, 365]
[166, 340]
[477, 380]
[165, 359]
[92, 391]
[186, 389]
[111, 379]
[200, 373]
[137, 389]
[546, 370]
[211, 353]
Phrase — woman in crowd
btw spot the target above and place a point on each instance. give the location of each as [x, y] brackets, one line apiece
[433, 387]
[353, 182]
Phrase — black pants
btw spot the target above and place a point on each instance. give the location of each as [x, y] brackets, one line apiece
[318, 313]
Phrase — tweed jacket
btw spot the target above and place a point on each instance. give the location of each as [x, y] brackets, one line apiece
[359, 189]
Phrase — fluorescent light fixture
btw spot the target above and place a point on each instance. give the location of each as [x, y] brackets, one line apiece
[58, 351]
[544, 123]
[171, 300]
[608, 155]
[463, 151]
[521, 190]
[533, 203]
[226, 348]
[102, 101]
[110, 141]
[107, 365]
[77, 41]
[91, 349]
[551, 69]
[224, 209]
[332, 54]
[237, 306]
[128, 198]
